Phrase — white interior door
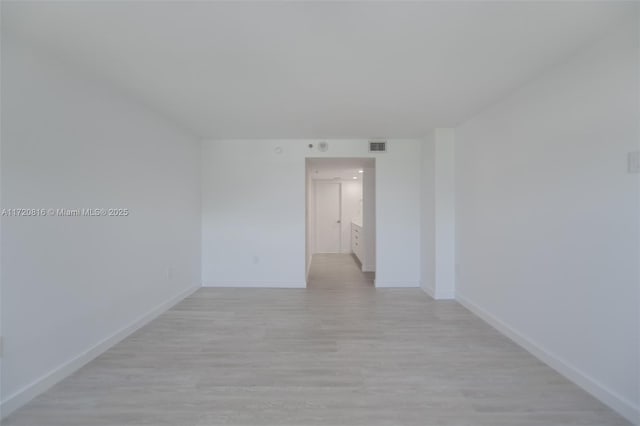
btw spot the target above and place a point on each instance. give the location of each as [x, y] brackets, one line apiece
[328, 217]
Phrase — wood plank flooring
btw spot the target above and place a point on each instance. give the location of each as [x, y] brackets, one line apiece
[337, 353]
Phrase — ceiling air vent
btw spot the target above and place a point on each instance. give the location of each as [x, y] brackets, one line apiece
[377, 146]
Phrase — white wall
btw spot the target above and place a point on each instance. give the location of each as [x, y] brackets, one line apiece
[547, 218]
[438, 214]
[1, 204]
[73, 285]
[444, 192]
[253, 218]
[428, 216]
[309, 219]
[369, 218]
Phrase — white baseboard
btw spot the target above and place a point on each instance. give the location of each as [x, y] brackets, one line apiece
[429, 291]
[395, 284]
[44, 383]
[623, 406]
[444, 295]
[368, 268]
[438, 295]
[256, 284]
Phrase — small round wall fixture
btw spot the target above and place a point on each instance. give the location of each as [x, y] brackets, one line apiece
[323, 146]
[278, 150]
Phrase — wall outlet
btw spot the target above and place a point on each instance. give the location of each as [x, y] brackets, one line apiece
[170, 273]
[633, 162]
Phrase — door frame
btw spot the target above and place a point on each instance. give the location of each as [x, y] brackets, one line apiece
[310, 229]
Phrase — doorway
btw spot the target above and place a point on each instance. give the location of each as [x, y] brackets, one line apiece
[340, 219]
[328, 214]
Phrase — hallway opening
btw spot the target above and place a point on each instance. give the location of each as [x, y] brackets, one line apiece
[340, 221]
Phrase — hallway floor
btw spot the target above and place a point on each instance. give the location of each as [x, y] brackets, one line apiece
[339, 272]
[337, 353]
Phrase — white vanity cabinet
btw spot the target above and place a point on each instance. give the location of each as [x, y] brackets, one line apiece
[357, 244]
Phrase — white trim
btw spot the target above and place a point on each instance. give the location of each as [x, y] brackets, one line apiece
[618, 403]
[438, 295]
[44, 383]
[368, 268]
[428, 290]
[255, 284]
[395, 284]
[444, 294]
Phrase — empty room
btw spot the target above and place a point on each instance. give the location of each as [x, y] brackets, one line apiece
[323, 213]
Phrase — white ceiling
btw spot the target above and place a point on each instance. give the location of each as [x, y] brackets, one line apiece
[313, 69]
[341, 168]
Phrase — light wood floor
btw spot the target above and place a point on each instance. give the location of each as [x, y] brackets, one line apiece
[337, 353]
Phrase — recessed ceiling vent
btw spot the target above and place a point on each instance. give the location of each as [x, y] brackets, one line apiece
[377, 146]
